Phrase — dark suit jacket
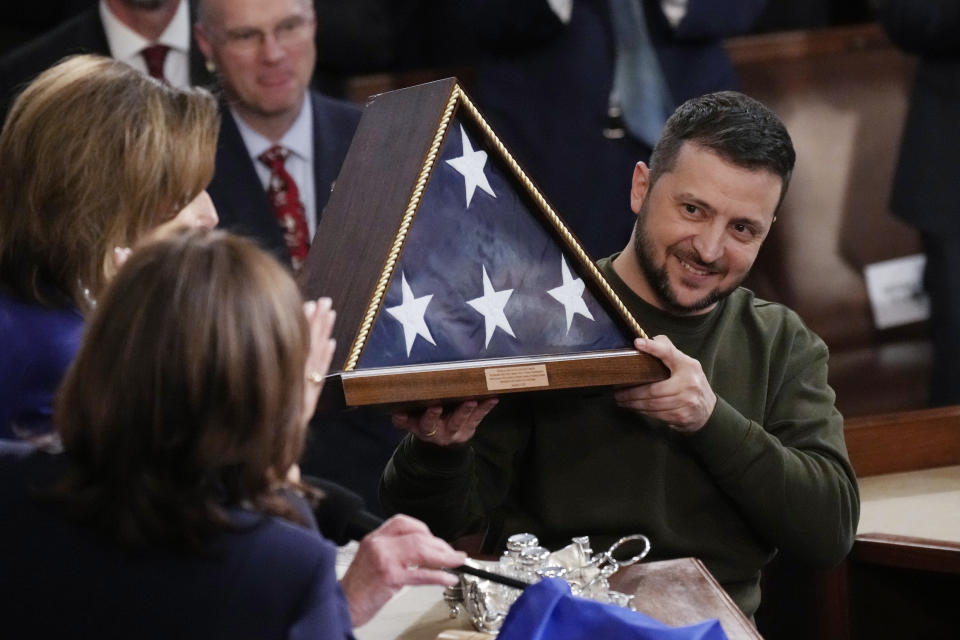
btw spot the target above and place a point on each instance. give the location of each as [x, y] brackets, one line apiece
[353, 447]
[237, 192]
[925, 184]
[267, 579]
[83, 33]
[545, 86]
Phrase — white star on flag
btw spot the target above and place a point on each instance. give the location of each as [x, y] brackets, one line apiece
[470, 164]
[410, 314]
[491, 305]
[570, 295]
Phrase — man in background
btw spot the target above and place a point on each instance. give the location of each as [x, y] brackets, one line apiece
[578, 90]
[281, 144]
[924, 186]
[150, 35]
[280, 149]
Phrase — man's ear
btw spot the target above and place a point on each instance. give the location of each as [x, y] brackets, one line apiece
[203, 42]
[639, 186]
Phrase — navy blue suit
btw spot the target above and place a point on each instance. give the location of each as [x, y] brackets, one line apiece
[237, 192]
[81, 34]
[545, 86]
[39, 343]
[268, 579]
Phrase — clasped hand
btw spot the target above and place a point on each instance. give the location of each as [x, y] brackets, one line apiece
[684, 401]
[454, 427]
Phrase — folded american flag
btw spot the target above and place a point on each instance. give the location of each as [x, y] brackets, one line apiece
[481, 276]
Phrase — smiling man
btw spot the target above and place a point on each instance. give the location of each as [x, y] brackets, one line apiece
[718, 215]
[739, 453]
[281, 144]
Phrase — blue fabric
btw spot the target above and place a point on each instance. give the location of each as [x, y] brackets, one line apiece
[548, 610]
[449, 246]
[267, 579]
[37, 345]
[638, 81]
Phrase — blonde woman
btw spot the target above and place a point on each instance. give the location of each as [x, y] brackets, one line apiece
[95, 156]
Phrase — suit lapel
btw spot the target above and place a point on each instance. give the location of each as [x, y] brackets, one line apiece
[199, 76]
[241, 201]
[90, 34]
[321, 182]
[333, 127]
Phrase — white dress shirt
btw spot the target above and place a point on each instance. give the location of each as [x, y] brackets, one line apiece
[674, 10]
[126, 44]
[298, 140]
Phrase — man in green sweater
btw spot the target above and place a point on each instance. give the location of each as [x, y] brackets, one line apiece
[739, 453]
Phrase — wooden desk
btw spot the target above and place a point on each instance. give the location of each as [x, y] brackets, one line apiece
[904, 441]
[682, 592]
[676, 592]
[911, 504]
[902, 576]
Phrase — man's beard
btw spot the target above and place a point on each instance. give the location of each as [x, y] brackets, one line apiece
[147, 5]
[659, 279]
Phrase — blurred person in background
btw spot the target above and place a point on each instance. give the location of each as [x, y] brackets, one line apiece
[153, 36]
[280, 150]
[579, 90]
[924, 185]
[282, 144]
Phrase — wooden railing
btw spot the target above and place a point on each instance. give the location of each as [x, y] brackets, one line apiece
[904, 441]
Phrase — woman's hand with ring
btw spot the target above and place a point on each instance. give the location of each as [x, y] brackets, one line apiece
[320, 318]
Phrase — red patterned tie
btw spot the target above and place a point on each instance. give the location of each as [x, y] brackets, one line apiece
[285, 198]
[154, 56]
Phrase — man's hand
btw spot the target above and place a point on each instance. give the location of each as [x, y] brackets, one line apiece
[400, 552]
[455, 427]
[684, 400]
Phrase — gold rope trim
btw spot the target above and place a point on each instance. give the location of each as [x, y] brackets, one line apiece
[386, 275]
[567, 237]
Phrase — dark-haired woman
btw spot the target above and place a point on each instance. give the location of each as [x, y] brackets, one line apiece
[170, 513]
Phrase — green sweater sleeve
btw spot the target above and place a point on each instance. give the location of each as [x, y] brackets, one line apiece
[792, 478]
[433, 484]
[454, 489]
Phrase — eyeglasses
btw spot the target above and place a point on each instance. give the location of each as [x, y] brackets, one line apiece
[292, 30]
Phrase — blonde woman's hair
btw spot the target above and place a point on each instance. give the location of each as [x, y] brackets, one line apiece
[94, 155]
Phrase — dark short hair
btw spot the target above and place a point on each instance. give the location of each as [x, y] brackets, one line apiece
[736, 127]
[186, 396]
